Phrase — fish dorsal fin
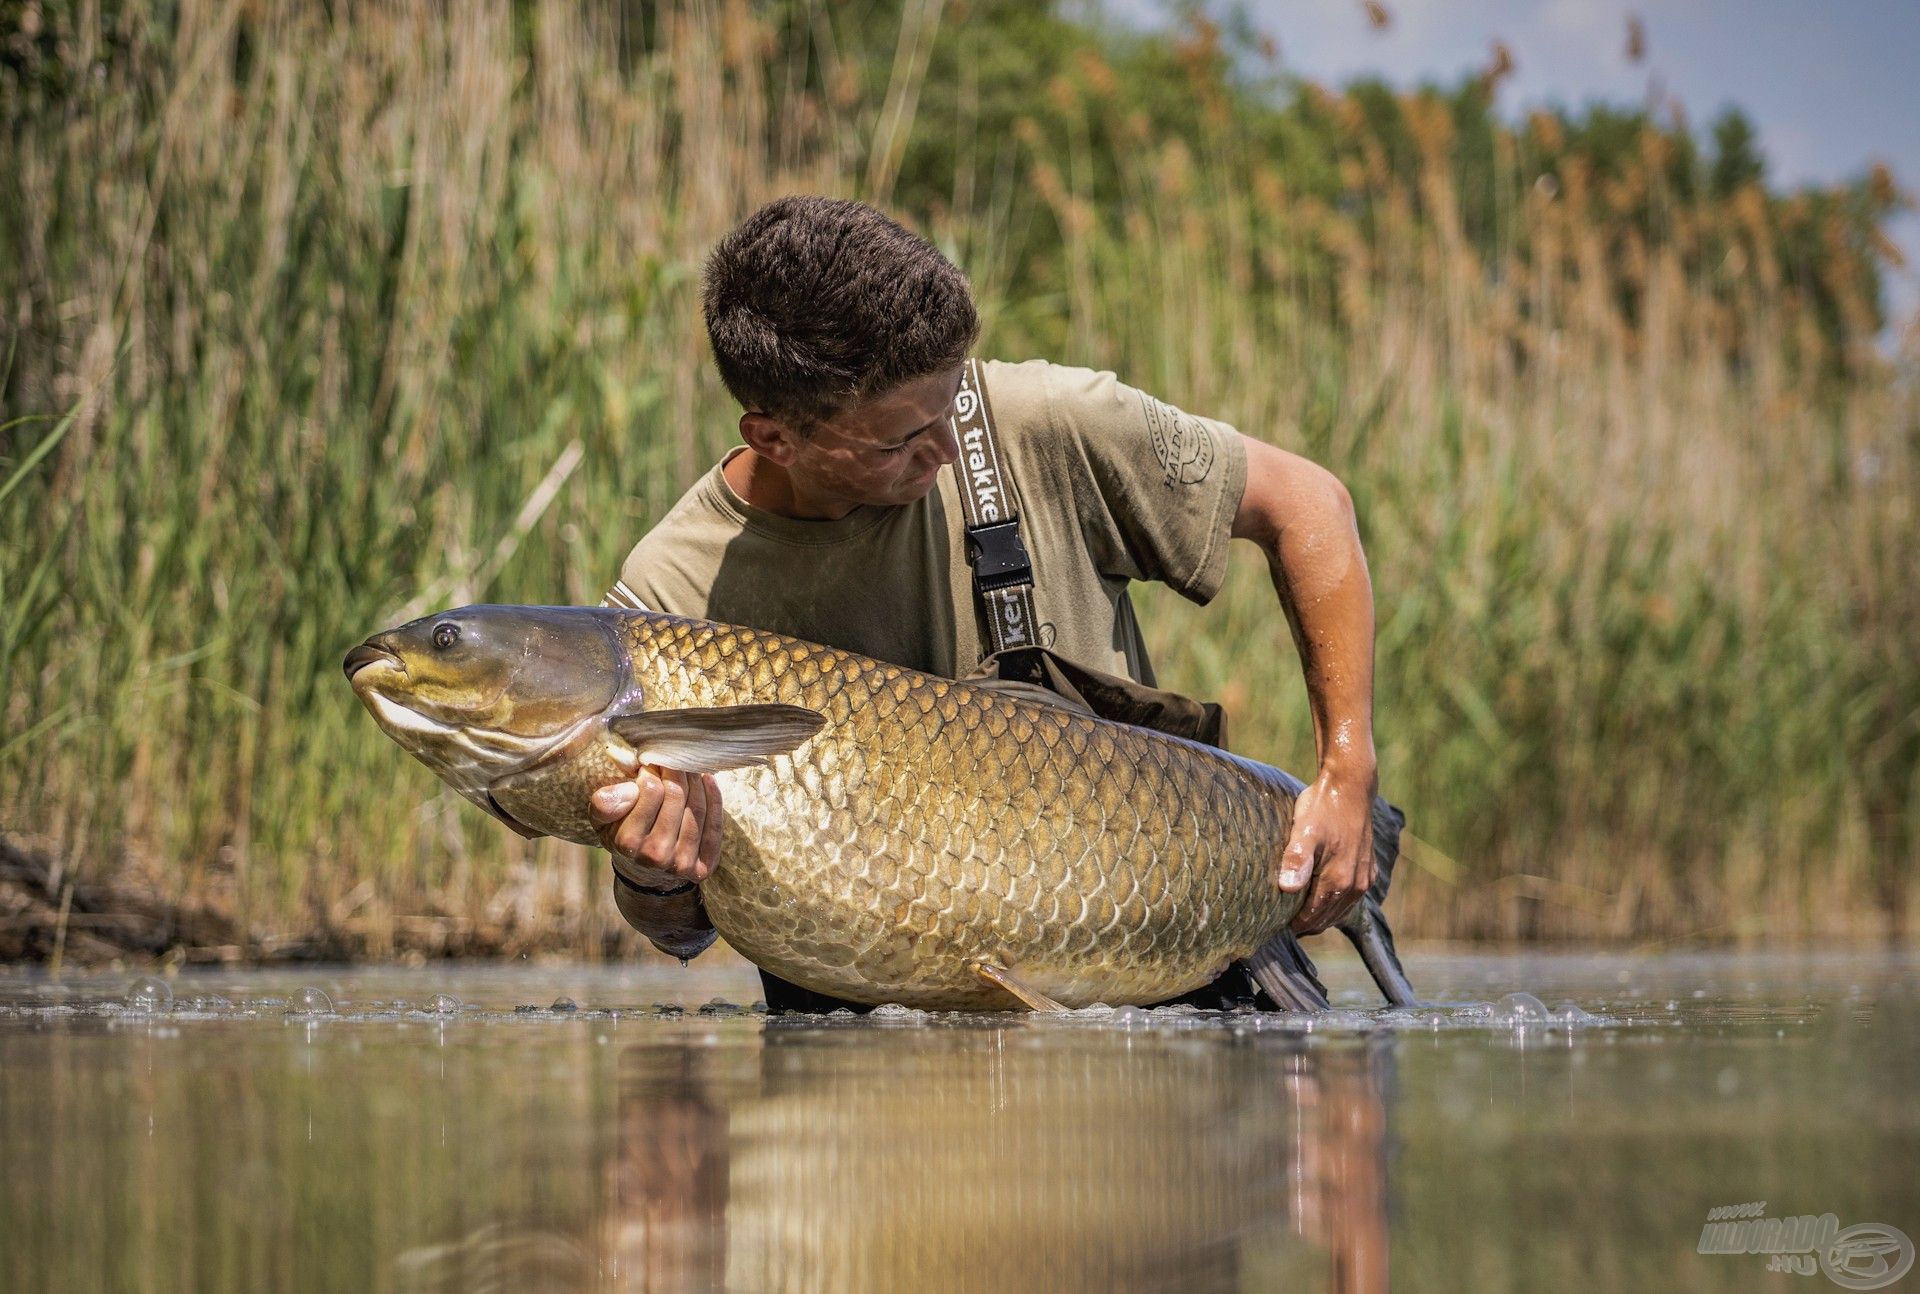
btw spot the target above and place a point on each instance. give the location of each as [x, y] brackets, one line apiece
[716, 738]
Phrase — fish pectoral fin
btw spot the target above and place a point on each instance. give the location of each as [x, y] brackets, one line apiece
[716, 738]
[1280, 966]
[1030, 997]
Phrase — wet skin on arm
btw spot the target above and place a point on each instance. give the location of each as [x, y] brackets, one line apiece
[1303, 519]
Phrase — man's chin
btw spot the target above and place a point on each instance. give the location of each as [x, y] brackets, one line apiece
[914, 491]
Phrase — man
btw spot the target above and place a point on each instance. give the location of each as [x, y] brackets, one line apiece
[844, 337]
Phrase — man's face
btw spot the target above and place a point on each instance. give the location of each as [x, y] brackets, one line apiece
[887, 450]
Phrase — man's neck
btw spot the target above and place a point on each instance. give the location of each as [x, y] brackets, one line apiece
[769, 487]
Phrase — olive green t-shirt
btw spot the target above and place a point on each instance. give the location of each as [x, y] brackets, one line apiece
[1113, 486]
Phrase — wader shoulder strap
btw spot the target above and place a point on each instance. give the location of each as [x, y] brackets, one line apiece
[1002, 571]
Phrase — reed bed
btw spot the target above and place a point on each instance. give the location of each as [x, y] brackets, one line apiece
[321, 315]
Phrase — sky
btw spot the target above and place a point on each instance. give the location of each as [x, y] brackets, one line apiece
[1831, 85]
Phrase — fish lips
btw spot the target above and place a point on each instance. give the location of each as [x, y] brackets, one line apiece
[366, 654]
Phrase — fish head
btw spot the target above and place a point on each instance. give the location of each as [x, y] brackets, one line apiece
[482, 691]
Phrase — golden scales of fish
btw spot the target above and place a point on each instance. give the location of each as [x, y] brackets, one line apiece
[891, 836]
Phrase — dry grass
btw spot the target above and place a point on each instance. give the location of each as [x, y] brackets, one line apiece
[400, 307]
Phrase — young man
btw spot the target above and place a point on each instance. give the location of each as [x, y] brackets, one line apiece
[844, 337]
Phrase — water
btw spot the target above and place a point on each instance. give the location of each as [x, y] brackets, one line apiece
[646, 1129]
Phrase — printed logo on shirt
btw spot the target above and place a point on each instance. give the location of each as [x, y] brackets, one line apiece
[1181, 443]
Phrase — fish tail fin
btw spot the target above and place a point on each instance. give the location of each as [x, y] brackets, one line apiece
[1286, 974]
[1366, 926]
[1388, 823]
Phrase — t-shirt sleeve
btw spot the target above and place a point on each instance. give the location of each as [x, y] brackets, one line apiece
[623, 595]
[1157, 487]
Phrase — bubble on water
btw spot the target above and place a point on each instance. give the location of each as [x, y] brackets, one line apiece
[892, 1011]
[1572, 1015]
[310, 1001]
[149, 994]
[1132, 1017]
[720, 1006]
[1520, 1009]
[444, 1004]
[564, 1004]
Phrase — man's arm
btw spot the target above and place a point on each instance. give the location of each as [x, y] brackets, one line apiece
[664, 829]
[1302, 518]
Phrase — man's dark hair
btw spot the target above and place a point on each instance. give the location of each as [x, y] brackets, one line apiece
[814, 304]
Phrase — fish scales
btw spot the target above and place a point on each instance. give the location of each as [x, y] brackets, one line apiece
[934, 824]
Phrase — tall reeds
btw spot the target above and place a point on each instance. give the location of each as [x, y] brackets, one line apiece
[322, 313]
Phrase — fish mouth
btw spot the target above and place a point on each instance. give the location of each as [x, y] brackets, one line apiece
[366, 654]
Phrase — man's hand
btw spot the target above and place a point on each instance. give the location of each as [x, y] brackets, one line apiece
[665, 820]
[1332, 845]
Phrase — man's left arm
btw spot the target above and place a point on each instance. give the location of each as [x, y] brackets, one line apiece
[1303, 519]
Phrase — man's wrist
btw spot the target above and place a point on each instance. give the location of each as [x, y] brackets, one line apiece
[1353, 771]
[653, 885]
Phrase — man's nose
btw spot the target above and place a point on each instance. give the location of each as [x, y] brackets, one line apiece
[945, 445]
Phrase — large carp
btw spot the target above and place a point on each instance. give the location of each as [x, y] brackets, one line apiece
[891, 836]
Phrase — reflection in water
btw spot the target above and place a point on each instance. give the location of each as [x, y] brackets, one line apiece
[209, 1140]
[997, 1158]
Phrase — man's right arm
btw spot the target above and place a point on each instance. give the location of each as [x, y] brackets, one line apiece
[663, 829]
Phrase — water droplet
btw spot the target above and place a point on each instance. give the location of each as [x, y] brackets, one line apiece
[564, 1004]
[444, 1004]
[149, 994]
[310, 1001]
[1520, 1009]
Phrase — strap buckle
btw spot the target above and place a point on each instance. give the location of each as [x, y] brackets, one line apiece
[998, 556]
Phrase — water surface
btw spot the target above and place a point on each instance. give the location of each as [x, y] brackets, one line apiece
[452, 1129]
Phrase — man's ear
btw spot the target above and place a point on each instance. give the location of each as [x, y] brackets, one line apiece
[769, 437]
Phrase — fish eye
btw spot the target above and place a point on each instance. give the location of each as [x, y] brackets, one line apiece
[445, 636]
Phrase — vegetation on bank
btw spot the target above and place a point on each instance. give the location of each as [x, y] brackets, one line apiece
[322, 315]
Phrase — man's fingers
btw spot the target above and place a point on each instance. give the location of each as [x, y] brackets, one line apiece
[712, 829]
[1336, 888]
[609, 804]
[686, 850]
[1296, 866]
[630, 839]
[660, 841]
